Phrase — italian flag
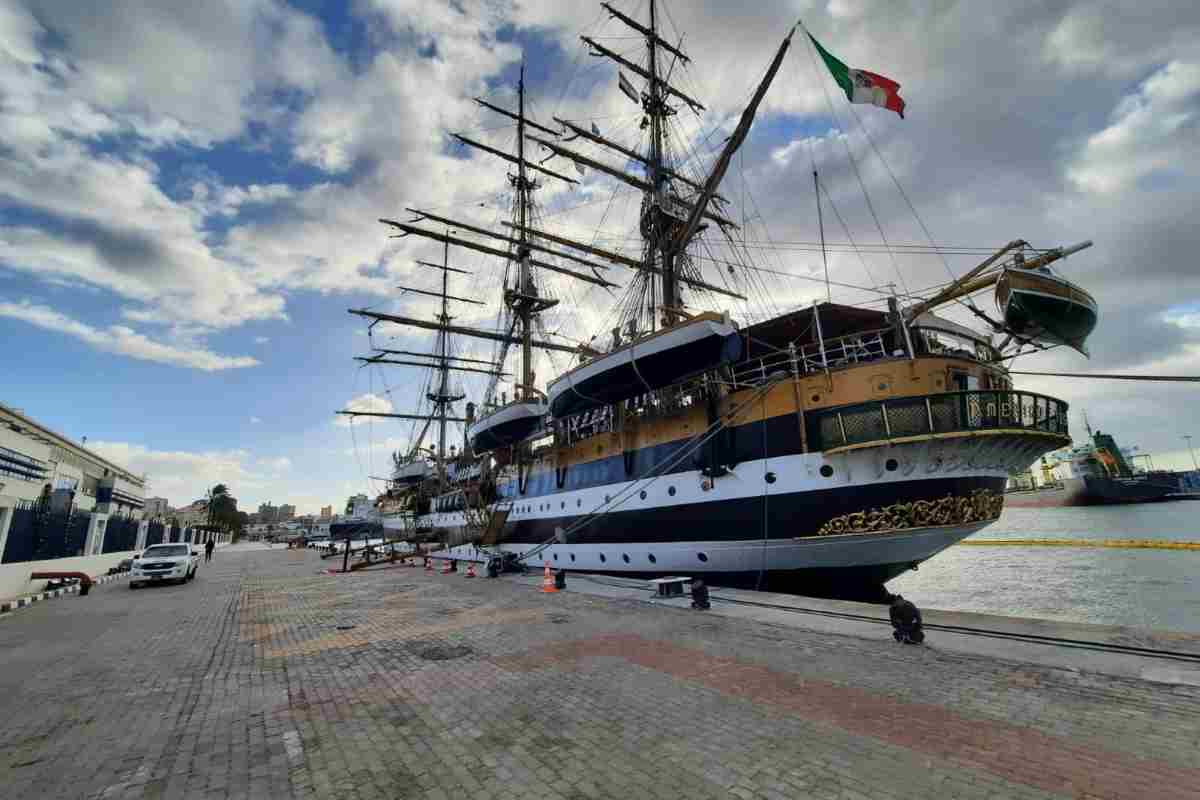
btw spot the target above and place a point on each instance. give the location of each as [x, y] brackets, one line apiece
[861, 86]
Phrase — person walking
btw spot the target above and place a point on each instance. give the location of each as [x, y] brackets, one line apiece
[208, 548]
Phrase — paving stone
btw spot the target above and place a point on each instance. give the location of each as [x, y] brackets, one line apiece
[246, 683]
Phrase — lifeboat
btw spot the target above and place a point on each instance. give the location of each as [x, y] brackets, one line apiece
[507, 425]
[412, 472]
[652, 362]
[1040, 306]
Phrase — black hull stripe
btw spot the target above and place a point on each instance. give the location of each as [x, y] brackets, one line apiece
[783, 516]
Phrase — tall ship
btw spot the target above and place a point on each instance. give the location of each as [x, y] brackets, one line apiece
[822, 449]
[1094, 473]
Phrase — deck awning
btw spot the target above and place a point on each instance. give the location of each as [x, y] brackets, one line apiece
[836, 320]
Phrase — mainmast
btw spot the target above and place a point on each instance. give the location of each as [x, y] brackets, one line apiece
[656, 109]
[524, 300]
[668, 222]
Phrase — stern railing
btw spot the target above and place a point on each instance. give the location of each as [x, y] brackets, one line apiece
[947, 413]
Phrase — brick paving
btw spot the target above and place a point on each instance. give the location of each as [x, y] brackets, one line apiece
[265, 679]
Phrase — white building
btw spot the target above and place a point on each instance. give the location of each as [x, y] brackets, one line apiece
[40, 467]
[156, 507]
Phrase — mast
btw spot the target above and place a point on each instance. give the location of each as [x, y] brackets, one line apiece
[444, 362]
[655, 108]
[522, 247]
[668, 223]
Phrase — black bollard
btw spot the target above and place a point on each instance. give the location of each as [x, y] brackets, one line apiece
[906, 621]
[493, 568]
[560, 579]
[699, 595]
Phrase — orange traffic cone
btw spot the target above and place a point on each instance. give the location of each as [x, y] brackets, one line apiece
[470, 570]
[446, 568]
[548, 580]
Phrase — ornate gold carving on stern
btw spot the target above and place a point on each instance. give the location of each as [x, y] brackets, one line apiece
[983, 505]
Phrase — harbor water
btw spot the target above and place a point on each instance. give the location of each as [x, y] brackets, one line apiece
[1143, 588]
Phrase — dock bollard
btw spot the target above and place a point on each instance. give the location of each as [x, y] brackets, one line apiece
[560, 579]
[699, 595]
[906, 621]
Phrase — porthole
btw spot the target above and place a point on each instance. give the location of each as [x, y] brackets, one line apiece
[556, 556]
[769, 477]
[891, 465]
[562, 505]
[883, 387]
[579, 503]
[625, 557]
[653, 560]
[816, 398]
[702, 556]
[602, 558]
[643, 494]
[671, 491]
[572, 556]
[606, 498]
[826, 471]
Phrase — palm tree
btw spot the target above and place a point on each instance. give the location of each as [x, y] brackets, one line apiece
[214, 494]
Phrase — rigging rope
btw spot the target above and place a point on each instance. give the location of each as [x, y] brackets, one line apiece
[1112, 377]
[853, 163]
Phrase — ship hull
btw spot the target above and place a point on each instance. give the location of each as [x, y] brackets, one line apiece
[1092, 491]
[779, 523]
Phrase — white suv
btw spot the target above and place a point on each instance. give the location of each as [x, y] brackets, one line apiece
[164, 562]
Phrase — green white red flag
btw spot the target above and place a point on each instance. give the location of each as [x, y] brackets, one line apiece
[861, 86]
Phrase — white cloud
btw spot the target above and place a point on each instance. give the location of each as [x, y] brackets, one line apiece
[122, 340]
[255, 420]
[364, 402]
[280, 464]
[262, 339]
[1154, 130]
[179, 475]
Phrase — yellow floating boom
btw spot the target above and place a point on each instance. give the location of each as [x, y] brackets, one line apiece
[1141, 544]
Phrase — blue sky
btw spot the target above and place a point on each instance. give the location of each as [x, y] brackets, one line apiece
[188, 201]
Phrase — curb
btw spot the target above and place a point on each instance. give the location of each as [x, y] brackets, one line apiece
[8, 606]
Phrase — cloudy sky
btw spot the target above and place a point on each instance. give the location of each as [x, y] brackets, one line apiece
[189, 194]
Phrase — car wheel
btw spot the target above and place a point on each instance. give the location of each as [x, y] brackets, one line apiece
[133, 585]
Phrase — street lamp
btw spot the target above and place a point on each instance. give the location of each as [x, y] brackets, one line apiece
[1188, 439]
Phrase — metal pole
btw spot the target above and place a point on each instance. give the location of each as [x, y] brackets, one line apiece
[1188, 438]
[820, 336]
[821, 227]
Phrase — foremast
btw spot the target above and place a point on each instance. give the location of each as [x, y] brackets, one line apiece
[441, 394]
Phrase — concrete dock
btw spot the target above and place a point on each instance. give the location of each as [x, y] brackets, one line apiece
[265, 678]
